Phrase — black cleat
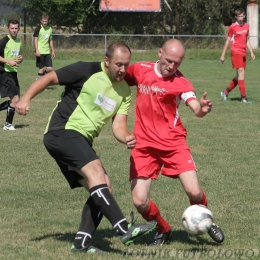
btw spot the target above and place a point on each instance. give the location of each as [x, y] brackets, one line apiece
[216, 233]
[137, 230]
[161, 238]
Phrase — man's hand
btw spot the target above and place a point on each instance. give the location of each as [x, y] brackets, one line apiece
[130, 141]
[22, 107]
[206, 104]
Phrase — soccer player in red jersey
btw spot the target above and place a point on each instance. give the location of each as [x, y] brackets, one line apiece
[238, 33]
[161, 146]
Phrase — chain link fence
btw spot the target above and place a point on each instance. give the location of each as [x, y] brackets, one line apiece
[99, 42]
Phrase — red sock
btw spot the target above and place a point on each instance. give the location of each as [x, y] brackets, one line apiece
[153, 213]
[242, 87]
[231, 86]
[203, 200]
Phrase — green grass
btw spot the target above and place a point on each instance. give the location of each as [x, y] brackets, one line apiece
[40, 214]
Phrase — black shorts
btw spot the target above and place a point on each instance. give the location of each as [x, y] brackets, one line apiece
[71, 150]
[9, 85]
[44, 60]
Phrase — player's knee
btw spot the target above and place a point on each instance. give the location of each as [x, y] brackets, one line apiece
[195, 195]
[141, 203]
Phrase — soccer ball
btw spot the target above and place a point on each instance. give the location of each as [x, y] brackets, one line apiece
[197, 219]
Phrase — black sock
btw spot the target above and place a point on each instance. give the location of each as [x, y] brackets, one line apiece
[91, 217]
[10, 114]
[109, 207]
[40, 74]
[4, 105]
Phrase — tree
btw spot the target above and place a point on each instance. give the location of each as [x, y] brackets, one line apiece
[184, 16]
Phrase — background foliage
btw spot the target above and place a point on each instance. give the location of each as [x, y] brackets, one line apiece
[185, 17]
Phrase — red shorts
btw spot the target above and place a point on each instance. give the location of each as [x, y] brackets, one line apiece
[238, 61]
[150, 162]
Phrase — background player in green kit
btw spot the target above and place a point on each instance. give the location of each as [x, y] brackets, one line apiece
[95, 93]
[44, 48]
[10, 58]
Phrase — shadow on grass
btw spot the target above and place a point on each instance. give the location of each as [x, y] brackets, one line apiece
[21, 126]
[237, 99]
[182, 237]
[50, 88]
[99, 240]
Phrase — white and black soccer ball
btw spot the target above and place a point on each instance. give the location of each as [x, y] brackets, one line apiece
[197, 219]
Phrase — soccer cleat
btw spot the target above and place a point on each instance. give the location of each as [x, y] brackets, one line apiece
[245, 101]
[216, 233]
[137, 230]
[88, 249]
[8, 126]
[161, 238]
[224, 96]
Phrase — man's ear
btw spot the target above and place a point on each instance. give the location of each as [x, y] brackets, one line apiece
[106, 61]
[160, 53]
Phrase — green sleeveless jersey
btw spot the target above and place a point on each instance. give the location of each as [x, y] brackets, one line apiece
[10, 49]
[90, 99]
[44, 36]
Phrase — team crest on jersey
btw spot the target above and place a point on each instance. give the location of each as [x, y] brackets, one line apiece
[105, 102]
[15, 52]
[150, 90]
[45, 36]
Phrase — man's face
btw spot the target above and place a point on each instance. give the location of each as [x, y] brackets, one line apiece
[13, 30]
[240, 18]
[169, 60]
[116, 66]
[44, 22]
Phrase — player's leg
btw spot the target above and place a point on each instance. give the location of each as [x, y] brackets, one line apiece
[239, 63]
[149, 210]
[241, 83]
[190, 183]
[10, 89]
[74, 150]
[145, 167]
[48, 63]
[40, 66]
[233, 83]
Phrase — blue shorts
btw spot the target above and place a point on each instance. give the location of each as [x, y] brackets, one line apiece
[71, 151]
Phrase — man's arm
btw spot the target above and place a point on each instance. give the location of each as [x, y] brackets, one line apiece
[222, 57]
[10, 62]
[37, 53]
[121, 131]
[52, 48]
[250, 49]
[37, 86]
[202, 107]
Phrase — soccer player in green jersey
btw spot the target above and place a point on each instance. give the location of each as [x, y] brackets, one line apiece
[44, 48]
[10, 58]
[95, 93]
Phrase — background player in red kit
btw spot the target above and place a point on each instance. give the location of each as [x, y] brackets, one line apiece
[161, 145]
[238, 33]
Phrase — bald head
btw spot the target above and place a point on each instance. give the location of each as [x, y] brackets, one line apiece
[174, 46]
[170, 57]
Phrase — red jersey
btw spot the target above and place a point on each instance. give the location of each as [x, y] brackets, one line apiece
[157, 122]
[239, 35]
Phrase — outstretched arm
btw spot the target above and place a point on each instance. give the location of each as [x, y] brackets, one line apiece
[23, 106]
[121, 131]
[202, 107]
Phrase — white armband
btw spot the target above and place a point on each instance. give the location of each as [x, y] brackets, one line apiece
[187, 95]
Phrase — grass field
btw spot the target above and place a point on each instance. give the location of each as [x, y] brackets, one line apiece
[40, 214]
